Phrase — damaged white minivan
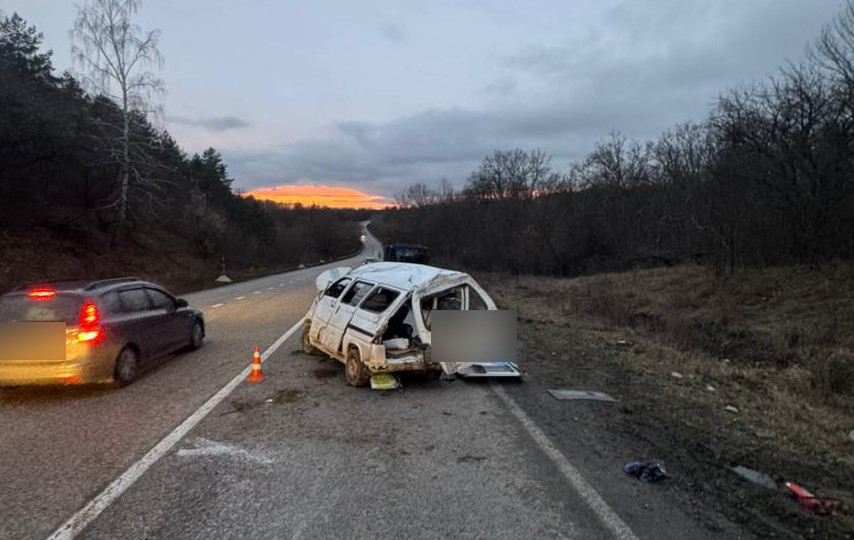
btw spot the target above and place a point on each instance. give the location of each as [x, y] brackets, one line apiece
[376, 318]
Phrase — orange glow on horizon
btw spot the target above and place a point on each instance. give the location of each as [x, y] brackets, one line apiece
[329, 196]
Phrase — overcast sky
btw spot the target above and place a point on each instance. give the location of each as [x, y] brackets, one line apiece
[378, 95]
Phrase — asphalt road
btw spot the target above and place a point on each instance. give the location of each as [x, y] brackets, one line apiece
[301, 455]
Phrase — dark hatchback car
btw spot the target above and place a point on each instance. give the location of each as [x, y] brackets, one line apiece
[111, 329]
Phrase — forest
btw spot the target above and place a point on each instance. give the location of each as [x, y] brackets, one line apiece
[61, 198]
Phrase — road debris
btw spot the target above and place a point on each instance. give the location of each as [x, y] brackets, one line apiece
[384, 381]
[469, 458]
[730, 408]
[756, 477]
[822, 506]
[623, 343]
[649, 471]
[490, 369]
[710, 388]
[675, 374]
[206, 448]
[564, 395]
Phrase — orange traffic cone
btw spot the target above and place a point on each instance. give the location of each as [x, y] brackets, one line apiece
[256, 375]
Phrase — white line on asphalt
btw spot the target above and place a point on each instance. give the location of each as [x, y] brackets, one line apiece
[93, 508]
[256, 292]
[217, 305]
[270, 288]
[240, 298]
[606, 515]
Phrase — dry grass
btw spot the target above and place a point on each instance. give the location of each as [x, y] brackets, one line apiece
[776, 343]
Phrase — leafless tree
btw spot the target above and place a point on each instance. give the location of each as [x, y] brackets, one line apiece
[114, 55]
[416, 196]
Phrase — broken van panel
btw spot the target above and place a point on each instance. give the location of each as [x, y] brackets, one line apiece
[377, 318]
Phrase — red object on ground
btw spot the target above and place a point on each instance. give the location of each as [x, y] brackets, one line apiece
[823, 506]
[256, 375]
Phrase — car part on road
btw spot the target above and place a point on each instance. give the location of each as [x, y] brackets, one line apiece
[649, 471]
[756, 477]
[384, 381]
[564, 395]
[822, 506]
[127, 366]
[357, 372]
[490, 369]
[256, 375]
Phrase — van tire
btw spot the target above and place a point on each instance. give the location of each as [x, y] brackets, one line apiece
[307, 347]
[356, 371]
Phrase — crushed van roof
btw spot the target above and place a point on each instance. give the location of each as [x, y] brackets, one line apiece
[405, 276]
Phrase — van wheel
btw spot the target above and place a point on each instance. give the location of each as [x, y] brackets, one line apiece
[307, 347]
[127, 367]
[357, 372]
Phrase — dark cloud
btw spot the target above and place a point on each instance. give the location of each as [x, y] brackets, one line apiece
[392, 32]
[218, 123]
[644, 69]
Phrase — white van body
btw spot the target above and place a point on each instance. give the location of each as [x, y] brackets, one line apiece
[382, 310]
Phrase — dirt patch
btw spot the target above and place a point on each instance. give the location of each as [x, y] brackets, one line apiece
[287, 395]
[625, 334]
[325, 373]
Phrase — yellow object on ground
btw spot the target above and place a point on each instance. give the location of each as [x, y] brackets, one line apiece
[384, 381]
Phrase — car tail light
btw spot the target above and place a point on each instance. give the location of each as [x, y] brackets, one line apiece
[89, 330]
[42, 293]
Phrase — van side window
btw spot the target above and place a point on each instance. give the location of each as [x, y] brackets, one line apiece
[356, 293]
[337, 288]
[475, 300]
[379, 300]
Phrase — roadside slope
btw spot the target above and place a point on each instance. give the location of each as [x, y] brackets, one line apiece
[725, 336]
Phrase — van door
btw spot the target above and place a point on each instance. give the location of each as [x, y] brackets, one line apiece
[326, 305]
[332, 334]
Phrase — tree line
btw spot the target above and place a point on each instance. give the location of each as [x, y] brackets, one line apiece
[91, 166]
[767, 178]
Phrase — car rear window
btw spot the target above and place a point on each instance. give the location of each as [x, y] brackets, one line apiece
[21, 308]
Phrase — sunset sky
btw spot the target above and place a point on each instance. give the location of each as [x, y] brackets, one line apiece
[333, 197]
[371, 97]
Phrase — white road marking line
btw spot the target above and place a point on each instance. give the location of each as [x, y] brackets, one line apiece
[103, 500]
[256, 292]
[217, 305]
[240, 298]
[605, 513]
[270, 288]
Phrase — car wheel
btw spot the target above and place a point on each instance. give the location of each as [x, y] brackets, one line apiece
[127, 366]
[197, 337]
[357, 372]
[307, 347]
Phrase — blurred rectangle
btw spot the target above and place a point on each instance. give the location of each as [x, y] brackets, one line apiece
[459, 336]
[581, 394]
[32, 341]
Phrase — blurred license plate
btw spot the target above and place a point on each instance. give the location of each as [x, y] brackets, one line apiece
[32, 341]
